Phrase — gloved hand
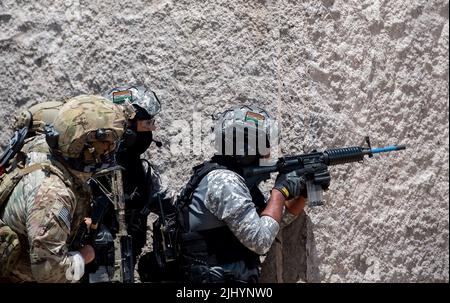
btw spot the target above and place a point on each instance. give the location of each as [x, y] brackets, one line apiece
[322, 178]
[291, 185]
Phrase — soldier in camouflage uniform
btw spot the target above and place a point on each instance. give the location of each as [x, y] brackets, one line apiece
[140, 180]
[227, 223]
[47, 205]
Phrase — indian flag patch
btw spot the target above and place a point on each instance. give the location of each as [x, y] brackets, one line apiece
[255, 117]
[122, 96]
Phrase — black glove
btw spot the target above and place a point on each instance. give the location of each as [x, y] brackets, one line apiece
[291, 185]
[322, 178]
[103, 245]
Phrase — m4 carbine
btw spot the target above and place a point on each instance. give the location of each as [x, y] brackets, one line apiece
[309, 165]
[124, 267]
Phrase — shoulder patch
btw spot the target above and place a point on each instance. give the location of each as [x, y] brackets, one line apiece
[64, 215]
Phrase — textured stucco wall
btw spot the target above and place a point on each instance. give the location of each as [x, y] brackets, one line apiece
[330, 71]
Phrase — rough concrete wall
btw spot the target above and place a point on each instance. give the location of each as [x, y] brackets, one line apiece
[330, 71]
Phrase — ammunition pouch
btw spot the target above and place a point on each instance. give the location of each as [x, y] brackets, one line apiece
[162, 263]
[205, 258]
[220, 274]
[104, 247]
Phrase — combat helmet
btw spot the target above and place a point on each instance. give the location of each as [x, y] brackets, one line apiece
[86, 133]
[244, 132]
[140, 105]
[139, 96]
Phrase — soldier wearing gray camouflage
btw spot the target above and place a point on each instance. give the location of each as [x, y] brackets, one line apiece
[229, 223]
[47, 205]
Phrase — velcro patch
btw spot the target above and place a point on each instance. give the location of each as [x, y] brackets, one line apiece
[64, 215]
[255, 117]
[122, 96]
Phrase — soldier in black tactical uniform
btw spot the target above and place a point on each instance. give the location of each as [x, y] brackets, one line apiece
[140, 180]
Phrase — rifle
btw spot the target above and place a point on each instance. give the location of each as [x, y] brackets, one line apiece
[165, 228]
[309, 164]
[124, 267]
[123, 241]
[161, 264]
[15, 145]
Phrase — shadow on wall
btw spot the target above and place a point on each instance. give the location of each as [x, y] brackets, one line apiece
[293, 256]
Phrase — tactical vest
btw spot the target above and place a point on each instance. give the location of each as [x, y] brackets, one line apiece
[214, 246]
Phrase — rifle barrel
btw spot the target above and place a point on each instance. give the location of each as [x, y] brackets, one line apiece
[387, 149]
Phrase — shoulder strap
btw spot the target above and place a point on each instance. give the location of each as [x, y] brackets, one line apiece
[185, 197]
[200, 171]
[51, 167]
[10, 180]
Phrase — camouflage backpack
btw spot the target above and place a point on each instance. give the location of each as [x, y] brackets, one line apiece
[12, 165]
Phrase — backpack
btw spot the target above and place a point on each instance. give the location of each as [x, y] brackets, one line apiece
[13, 169]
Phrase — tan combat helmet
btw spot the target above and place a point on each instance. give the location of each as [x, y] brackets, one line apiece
[38, 116]
[86, 132]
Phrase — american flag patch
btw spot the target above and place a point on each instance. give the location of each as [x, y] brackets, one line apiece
[64, 215]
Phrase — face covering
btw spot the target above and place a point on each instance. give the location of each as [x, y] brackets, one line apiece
[137, 142]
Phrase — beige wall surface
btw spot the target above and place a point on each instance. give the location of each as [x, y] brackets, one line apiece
[330, 71]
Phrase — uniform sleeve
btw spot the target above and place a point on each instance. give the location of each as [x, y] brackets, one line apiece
[229, 199]
[48, 227]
